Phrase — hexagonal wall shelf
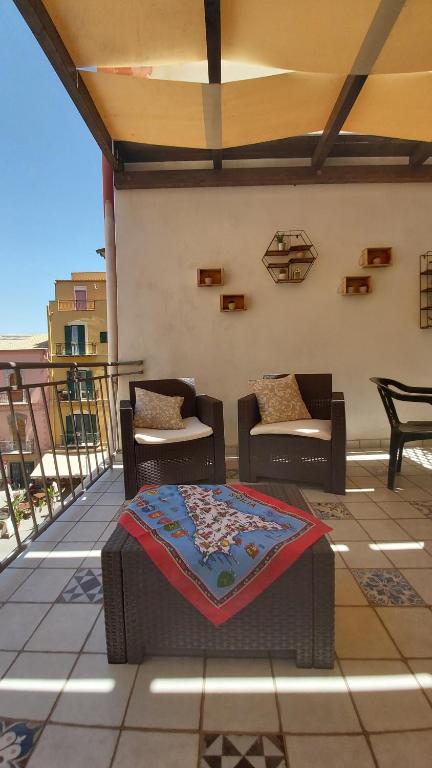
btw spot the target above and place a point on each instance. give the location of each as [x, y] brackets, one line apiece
[289, 256]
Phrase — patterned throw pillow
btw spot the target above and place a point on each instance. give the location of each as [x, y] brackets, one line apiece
[157, 411]
[280, 400]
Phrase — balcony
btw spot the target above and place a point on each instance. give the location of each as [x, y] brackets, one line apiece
[71, 305]
[12, 446]
[82, 438]
[75, 350]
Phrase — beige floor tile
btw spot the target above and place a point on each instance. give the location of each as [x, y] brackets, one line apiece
[356, 494]
[74, 513]
[100, 514]
[66, 555]
[11, 579]
[360, 554]
[96, 642]
[62, 745]
[414, 494]
[422, 669]
[56, 532]
[94, 556]
[400, 750]
[405, 557]
[346, 530]
[96, 693]
[32, 684]
[367, 511]
[328, 752]
[348, 591]
[156, 750]
[111, 498]
[314, 700]
[86, 532]
[239, 707]
[156, 704]
[17, 622]
[108, 531]
[428, 546]
[421, 579]
[65, 628]
[399, 509]
[418, 529]
[339, 563]
[33, 555]
[317, 494]
[385, 530]
[381, 493]
[6, 659]
[411, 629]
[387, 695]
[360, 635]
[43, 586]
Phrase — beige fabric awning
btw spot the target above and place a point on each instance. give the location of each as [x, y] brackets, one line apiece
[315, 44]
[62, 463]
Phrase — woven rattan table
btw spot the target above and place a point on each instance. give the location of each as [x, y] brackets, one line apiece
[145, 615]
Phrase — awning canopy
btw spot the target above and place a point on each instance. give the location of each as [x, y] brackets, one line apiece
[217, 74]
[49, 466]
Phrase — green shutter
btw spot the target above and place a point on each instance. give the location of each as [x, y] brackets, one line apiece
[71, 385]
[81, 340]
[89, 383]
[68, 339]
[70, 439]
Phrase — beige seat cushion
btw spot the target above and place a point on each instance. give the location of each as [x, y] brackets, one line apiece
[318, 428]
[280, 400]
[153, 411]
[193, 429]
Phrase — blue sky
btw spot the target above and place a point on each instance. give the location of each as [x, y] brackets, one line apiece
[51, 218]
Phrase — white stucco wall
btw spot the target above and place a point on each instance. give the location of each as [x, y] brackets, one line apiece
[177, 328]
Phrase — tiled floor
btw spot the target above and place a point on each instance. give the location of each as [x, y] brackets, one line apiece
[61, 703]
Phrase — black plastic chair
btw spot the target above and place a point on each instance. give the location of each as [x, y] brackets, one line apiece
[402, 432]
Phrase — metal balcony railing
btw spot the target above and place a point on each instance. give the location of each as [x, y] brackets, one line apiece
[10, 446]
[70, 305]
[74, 440]
[76, 350]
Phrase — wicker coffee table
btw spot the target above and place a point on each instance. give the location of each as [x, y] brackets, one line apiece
[145, 615]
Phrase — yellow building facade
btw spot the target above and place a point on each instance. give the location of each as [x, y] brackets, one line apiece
[77, 333]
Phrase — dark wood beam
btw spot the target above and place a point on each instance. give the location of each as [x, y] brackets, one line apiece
[377, 34]
[213, 37]
[40, 23]
[255, 177]
[346, 145]
[344, 102]
[420, 153]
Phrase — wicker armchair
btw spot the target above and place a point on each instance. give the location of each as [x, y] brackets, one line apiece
[292, 457]
[188, 461]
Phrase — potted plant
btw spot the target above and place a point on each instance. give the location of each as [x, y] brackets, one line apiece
[280, 240]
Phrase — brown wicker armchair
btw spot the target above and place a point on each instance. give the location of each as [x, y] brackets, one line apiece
[189, 461]
[291, 457]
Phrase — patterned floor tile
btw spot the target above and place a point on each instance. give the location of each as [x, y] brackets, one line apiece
[331, 510]
[17, 739]
[423, 506]
[244, 751]
[84, 587]
[386, 586]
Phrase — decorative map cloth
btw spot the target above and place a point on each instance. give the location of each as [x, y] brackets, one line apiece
[219, 545]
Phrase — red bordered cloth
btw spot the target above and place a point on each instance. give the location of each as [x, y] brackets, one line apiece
[220, 546]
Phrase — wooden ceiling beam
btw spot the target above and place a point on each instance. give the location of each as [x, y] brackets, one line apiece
[421, 152]
[377, 34]
[40, 23]
[213, 37]
[295, 175]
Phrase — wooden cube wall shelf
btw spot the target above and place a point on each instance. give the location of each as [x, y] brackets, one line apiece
[238, 299]
[376, 257]
[208, 277]
[356, 285]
